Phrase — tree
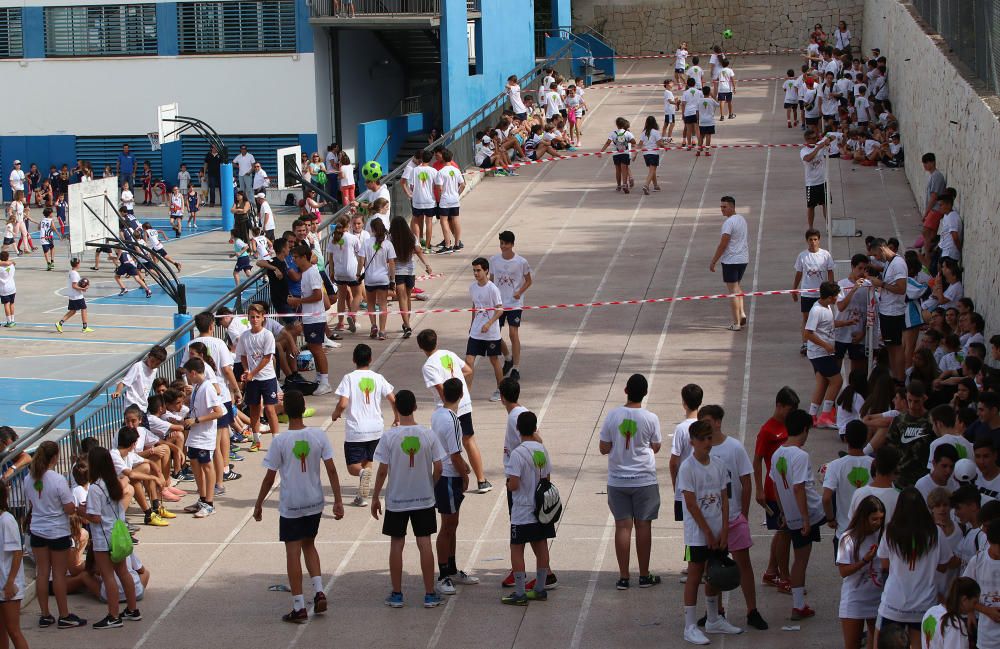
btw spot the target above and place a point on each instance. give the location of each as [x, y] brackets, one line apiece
[858, 476]
[628, 429]
[410, 446]
[367, 385]
[301, 450]
[782, 466]
[448, 363]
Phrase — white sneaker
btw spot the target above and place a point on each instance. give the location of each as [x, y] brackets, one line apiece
[322, 388]
[463, 578]
[331, 344]
[444, 586]
[694, 635]
[495, 396]
[359, 502]
[205, 511]
[722, 625]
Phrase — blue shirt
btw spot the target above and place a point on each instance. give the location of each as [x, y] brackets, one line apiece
[294, 287]
[126, 164]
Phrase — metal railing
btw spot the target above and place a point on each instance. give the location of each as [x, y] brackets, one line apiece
[408, 105]
[382, 8]
[972, 29]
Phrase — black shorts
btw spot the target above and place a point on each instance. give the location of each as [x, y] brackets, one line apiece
[826, 366]
[57, 545]
[733, 273]
[521, 116]
[242, 263]
[476, 347]
[800, 541]
[448, 495]
[126, 270]
[297, 529]
[425, 211]
[725, 96]
[815, 195]
[806, 303]
[347, 282]
[622, 159]
[8, 241]
[651, 159]
[314, 332]
[465, 421]
[77, 305]
[812, 121]
[423, 522]
[678, 511]
[378, 287]
[791, 104]
[853, 351]
[105, 249]
[448, 212]
[669, 119]
[487, 163]
[564, 112]
[532, 532]
[359, 452]
[707, 130]
[892, 327]
[7, 299]
[199, 455]
[691, 119]
[257, 390]
[699, 553]
[409, 281]
[883, 623]
[46, 247]
[772, 516]
[510, 318]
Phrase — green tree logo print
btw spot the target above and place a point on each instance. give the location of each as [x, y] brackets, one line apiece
[963, 453]
[423, 176]
[538, 459]
[411, 446]
[38, 486]
[367, 385]
[448, 363]
[782, 466]
[301, 451]
[858, 476]
[929, 628]
[628, 429]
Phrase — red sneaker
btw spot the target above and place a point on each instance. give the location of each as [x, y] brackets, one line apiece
[802, 613]
[508, 581]
[770, 579]
[784, 586]
[826, 420]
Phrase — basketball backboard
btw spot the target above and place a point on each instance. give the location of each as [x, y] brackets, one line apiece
[167, 128]
[92, 214]
[288, 160]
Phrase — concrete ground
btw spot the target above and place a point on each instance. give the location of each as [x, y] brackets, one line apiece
[585, 243]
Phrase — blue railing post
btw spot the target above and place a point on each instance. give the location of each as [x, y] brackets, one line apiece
[226, 195]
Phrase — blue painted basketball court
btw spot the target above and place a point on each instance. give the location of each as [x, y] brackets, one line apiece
[27, 403]
[201, 292]
[205, 225]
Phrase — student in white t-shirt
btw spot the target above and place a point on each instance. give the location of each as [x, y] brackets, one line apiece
[913, 550]
[689, 111]
[680, 444]
[730, 452]
[139, 379]
[201, 423]
[680, 63]
[791, 102]
[726, 88]
[299, 455]
[410, 463]
[703, 481]
[377, 269]
[527, 466]
[342, 251]
[670, 104]
[630, 437]
[813, 266]
[361, 393]
[11, 573]
[800, 504]
[950, 229]
[733, 252]
[255, 349]
[814, 156]
[695, 72]
[985, 569]
[821, 352]
[420, 188]
[862, 575]
[484, 330]
[440, 366]
[856, 293]
[512, 275]
[451, 183]
[650, 142]
[844, 476]
[311, 304]
[623, 141]
[945, 626]
[706, 121]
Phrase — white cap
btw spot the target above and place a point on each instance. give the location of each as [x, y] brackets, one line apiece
[17, 162]
[260, 195]
[486, 139]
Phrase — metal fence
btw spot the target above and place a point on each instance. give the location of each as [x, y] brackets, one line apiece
[381, 8]
[972, 30]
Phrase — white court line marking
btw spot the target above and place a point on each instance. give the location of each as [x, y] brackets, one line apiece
[22, 378]
[595, 575]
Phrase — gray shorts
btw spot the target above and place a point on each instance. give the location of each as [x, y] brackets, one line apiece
[637, 503]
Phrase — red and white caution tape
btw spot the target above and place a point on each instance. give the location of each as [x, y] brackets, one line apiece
[660, 85]
[593, 154]
[786, 50]
[421, 278]
[568, 305]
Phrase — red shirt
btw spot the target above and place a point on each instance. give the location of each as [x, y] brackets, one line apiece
[772, 435]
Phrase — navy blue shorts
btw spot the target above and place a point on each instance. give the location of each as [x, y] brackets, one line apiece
[46, 247]
[800, 540]
[791, 104]
[806, 303]
[622, 159]
[291, 530]
[409, 281]
[691, 119]
[126, 270]
[651, 159]
[425, 211]
[7, 299]
[733, 273]
[314, 332]
[226, 419]
[257, 390]
[532, 532]
[668, 119]
[448, 495]
[725, 96]
[773, 519]
[853, 351]
[707, 130]
[242, 263]
[447, 212]
[348, 282]
[511, 318]
[359, 452]
[826, 366]
[77, 305]
[476, 347]
[199, 455]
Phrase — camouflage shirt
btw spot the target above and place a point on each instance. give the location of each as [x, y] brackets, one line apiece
[913, 437]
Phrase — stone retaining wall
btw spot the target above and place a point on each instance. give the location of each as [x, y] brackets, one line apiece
[941, 110]
[660, 25]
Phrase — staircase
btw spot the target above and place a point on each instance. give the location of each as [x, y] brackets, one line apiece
[417, 50]
[413, 144]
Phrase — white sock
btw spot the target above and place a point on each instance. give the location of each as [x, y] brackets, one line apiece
[813, 409]
[827, 406]
[799, 597]
[712, 602]
[318, 583]
[507, 357]
[298, 602]
[323, 378]
[515, 367]
[690, 616]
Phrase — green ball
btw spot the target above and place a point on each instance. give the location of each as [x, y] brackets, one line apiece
[727, 33]
[371, 170]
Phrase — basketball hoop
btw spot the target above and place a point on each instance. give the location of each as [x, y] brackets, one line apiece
[154, 141]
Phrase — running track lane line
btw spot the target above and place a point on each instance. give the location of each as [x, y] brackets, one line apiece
[495, 512]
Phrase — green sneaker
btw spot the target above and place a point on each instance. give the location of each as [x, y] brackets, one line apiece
[59, 327]
[515, 600]
[87, 330]
[11, 324]
[309, 412]
[536, 596]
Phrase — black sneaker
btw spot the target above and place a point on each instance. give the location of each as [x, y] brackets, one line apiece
[507, 366]
[109, 622]
[649, 580]
[622, 584]
[459, 246]
[756, 621]
[71, 621]
[131, 616]
[45, 621]
[514, 374]
[299, 616]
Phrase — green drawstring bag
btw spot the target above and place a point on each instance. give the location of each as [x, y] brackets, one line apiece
[121, 541]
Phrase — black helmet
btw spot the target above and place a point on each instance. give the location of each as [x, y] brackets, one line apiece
[722, 573]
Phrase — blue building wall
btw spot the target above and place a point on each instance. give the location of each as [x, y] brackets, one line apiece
[507, 46]
[372, 134]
